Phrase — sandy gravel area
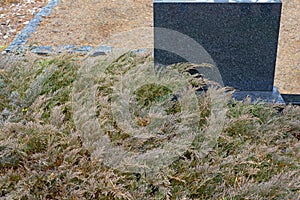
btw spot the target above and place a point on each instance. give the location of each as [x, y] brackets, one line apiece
[287, 74]
[93, 22]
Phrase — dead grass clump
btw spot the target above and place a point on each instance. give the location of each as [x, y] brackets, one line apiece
[44, 156]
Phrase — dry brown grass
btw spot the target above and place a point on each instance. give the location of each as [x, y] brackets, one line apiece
[44, 156]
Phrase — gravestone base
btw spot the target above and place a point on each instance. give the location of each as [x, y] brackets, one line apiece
[265, 96]
[293, 99]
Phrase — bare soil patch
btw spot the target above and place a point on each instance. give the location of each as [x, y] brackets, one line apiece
[92, 22]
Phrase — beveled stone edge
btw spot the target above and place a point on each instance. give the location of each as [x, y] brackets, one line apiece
[273, 96]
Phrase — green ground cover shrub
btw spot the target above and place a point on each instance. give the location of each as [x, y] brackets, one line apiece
[43, 155]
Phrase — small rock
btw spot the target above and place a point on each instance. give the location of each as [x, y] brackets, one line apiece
[82, 49]
[101, 50]
[67, 48]
[140, 51]
[43, 50]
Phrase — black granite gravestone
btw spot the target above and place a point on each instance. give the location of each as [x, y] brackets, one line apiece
[241, 36]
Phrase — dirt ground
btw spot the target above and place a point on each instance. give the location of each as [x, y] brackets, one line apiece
[93, 22]
[287, 74]
[128, 23]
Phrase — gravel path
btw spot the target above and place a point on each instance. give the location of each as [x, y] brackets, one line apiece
[14, 16]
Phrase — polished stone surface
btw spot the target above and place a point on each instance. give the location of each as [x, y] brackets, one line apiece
[241, 37]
